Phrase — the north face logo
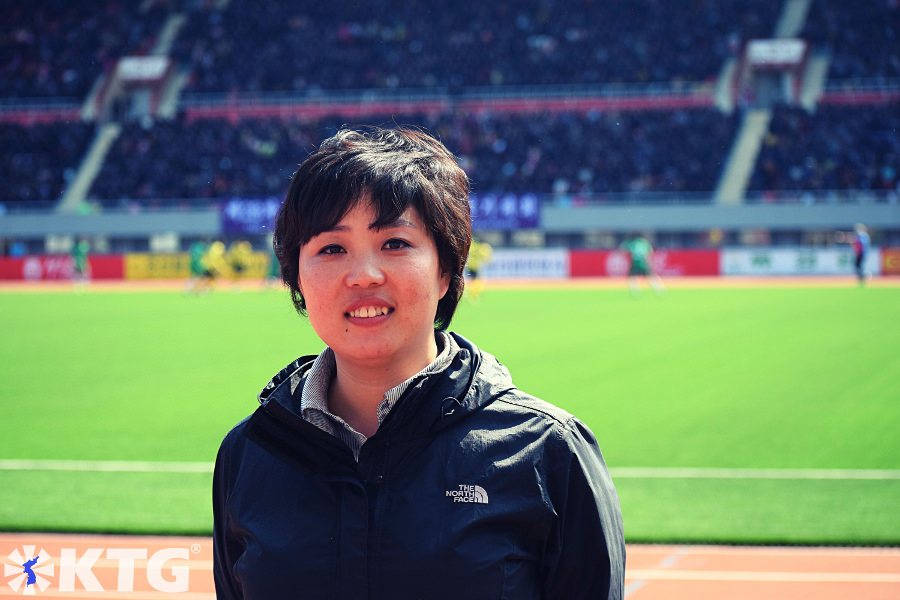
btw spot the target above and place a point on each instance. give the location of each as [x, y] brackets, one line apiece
[469, 493]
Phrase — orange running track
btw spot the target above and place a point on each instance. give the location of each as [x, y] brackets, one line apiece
[655, 572]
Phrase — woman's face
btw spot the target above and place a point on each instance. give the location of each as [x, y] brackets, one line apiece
[371, 294]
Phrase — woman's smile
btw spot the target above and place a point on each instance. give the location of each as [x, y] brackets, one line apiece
[368, 312]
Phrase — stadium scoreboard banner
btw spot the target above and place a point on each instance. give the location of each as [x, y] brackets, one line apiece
[796, 261]
[243, 216]
[143, 69]
[505, 212]
[776, 53]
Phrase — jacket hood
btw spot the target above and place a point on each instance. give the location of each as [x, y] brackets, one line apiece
[473, 380]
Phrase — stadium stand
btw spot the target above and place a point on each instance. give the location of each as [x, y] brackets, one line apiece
[545, 153]
[581, 102]
[37, 161]
[593, 153]
[205, 159]
[862, 37]
[57, 48]
[275, 46]
[835, 148]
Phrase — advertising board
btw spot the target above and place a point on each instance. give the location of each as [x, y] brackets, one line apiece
[157, 266]
[796, 261]
[526, 263]
[177, 266]
[890, 261]
[667, 263]
[52, 267]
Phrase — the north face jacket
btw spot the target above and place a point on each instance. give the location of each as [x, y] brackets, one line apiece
[469, 489]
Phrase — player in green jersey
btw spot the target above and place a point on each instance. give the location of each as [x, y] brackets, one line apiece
[640, 252]
[81, 266]
[197, 270]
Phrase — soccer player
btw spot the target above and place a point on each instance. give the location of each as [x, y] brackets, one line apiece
[479, 255]
[640, 253]
[214, 266]
[197, 269]
[860, 240]
[81, 265]
[402, 461]
[239, 254]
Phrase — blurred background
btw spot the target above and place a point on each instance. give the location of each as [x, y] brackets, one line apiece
[736, 135]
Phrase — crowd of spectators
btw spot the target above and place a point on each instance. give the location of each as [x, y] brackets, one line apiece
[37, 161]
[596, 153]
[835, 148]
[54, 48]
[561, 153]
[209, 159]
[862, 37]
[271, 45]
[58, 48]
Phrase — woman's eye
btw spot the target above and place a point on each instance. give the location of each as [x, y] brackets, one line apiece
[331, 249]
[396, 244]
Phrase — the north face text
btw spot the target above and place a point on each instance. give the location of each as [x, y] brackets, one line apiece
[468, 493]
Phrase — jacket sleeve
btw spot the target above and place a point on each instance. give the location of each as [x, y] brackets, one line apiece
[585, 553]
[226, 546]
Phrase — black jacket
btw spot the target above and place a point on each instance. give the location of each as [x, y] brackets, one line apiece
[470, 489]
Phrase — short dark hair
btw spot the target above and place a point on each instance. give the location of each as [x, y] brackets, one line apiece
[395, 169]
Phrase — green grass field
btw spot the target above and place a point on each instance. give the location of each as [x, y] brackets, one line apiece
[779, 378]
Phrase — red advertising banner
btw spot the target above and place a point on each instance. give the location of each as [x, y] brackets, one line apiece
[56, 267]
[667, 263]
[890, 261]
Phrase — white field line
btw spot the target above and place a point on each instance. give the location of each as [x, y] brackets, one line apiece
[121, 466]
[777, 576]
[711, 473]
[127, 466]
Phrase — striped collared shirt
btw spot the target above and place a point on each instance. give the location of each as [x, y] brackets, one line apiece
[314, 398]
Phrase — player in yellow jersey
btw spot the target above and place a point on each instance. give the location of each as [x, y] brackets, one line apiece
[238, 258]
[214, 266]
[479, 255]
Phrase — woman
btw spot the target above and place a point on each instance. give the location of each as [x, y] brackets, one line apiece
[402, 462]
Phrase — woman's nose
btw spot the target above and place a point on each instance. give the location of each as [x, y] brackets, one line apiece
[365, 271]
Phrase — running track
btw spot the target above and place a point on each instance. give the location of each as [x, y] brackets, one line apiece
[654, 572]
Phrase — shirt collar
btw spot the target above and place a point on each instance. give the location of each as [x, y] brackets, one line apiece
[314, 397]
